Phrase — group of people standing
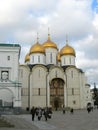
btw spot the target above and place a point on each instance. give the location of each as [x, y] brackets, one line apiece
[64, 110]
[39, 112]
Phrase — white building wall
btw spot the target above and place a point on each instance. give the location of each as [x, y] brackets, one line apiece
[13, 63]
[67, 60]
[38, 86]
[51, 56]
[9, 61]
[40, 79]
[24, 79]
[37, 58]
[88, 98]
[82, 84]
[73, 87]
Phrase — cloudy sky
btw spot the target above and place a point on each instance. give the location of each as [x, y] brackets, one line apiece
[20, 20]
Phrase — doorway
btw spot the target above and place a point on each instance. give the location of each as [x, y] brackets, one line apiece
[57, 93]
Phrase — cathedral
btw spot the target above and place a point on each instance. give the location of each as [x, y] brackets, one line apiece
[50, 78]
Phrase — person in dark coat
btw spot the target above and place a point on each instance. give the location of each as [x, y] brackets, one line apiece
[63, 109]
[33, 111]
[88, 109]
[71, 111]
[46, 113]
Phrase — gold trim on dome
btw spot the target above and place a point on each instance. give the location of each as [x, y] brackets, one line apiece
[27, 57]
[67, 50]
[37, 48]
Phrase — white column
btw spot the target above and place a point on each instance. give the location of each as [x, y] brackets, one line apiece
[65, 91]
[30, 91]
[48, 91]
[65, 96]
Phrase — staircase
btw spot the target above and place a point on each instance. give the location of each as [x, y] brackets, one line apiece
[5, 123]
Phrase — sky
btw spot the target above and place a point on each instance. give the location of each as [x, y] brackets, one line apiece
[21, 20]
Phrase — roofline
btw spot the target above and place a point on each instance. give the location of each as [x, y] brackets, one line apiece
[9, 45]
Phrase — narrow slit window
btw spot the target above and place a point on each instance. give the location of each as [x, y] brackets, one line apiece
[51, 57]
[72, 91]
[39, 91]
[8, 58]
[39, 59]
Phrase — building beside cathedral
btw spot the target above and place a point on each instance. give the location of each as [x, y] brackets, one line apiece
[10, 88]
[51, 78]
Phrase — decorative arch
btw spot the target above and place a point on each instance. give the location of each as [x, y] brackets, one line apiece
[36, 66]
[6, 97]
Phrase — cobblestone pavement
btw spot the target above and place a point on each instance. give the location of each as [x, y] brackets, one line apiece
[80, 120]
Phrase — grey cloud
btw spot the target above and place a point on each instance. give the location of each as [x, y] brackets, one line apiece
[21, 20]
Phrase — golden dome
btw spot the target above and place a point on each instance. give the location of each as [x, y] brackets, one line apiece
[67, 50]
[49, 43]
[27, 57]
[58, 56]
[37, 48]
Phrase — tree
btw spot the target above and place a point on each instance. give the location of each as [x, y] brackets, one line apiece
[95, 95]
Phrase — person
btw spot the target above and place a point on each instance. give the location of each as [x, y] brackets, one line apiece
[39, 113]
[71, 111]
[33, 111]
[92, 108]
[63, 109]
[50, 112]
[46, 113]
[89, 109]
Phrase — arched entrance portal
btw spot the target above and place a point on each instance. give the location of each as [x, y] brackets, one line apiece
[57, 93]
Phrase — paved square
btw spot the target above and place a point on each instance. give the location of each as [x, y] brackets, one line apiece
[80, 120]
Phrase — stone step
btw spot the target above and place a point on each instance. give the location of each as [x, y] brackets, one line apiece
[5, 123]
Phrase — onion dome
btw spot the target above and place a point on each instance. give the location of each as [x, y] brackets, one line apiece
[37, 48]
[27, 57]
[49, 43]
[67, 50]
[58, 56]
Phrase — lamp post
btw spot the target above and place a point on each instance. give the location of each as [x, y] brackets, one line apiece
[30, 68]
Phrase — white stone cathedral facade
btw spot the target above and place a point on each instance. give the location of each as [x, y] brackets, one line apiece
[50, 78]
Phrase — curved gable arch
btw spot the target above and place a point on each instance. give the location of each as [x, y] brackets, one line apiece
[38, 77]
[73, 68]
[6, 94]
[52, 67]
[24, 67]
[56, 72]
[39, 66]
